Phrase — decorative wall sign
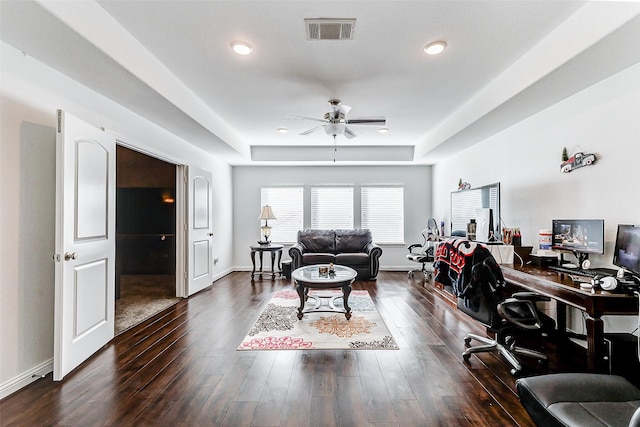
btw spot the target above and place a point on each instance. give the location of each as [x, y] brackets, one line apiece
[578, 160]
[463, 185]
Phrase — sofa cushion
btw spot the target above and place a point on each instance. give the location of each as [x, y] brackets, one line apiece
[357, 258]
[318, 240]
[349, 241]
[318, 258]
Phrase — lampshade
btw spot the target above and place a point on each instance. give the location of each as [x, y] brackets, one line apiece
[267, 213]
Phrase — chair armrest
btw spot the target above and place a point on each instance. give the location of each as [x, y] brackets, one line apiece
[374, 251]
[295, 252]
[530, 296]
[521, 313]
[415, 245]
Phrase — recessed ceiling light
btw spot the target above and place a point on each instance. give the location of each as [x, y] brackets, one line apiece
[282, 130]
[383, 130]
[242, 48]
[435, 48]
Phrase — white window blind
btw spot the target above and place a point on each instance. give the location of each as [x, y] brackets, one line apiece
[287, 204]
[466, 202]
[332, 207]
[382, 212]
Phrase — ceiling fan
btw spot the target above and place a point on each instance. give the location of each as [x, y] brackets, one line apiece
[336, 121]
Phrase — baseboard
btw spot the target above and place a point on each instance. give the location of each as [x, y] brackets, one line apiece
[26, 378]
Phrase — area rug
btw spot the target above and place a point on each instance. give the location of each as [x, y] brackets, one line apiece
[142, 296]
[278, 327]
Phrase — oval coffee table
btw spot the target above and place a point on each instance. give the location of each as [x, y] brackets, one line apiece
[309, 277]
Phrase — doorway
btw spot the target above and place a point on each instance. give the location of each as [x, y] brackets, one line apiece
[145, 237]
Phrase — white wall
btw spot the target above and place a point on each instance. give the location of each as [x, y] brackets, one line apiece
[248, 180]
[30, 94]
[603, 119]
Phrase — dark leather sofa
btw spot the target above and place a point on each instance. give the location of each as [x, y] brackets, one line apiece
[580, 400]
[353, 248]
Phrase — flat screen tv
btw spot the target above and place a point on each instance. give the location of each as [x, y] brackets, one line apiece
[627, 248]
[580, 236]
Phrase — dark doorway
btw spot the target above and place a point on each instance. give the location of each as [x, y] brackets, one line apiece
[145, 237]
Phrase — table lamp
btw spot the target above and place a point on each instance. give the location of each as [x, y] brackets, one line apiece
[266, 214]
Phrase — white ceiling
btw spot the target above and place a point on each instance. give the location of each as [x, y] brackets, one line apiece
[171, 62]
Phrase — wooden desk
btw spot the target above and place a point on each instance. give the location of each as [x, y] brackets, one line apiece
[595, 304]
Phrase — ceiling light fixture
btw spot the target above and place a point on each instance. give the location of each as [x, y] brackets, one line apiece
[282, 130]
[241, 48]
[435, 48]
[383, 130]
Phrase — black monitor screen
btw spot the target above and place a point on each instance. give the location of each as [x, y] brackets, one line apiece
[579, 235]
[627, 249]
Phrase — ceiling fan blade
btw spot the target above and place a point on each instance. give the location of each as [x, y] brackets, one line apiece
[293, 117]
[367, 121]
[349, 133]
[307, 132]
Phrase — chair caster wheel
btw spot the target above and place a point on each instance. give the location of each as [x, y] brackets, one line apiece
[515, 372]
[467, 341]
[466, 356]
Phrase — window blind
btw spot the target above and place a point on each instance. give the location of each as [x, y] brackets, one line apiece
[287, 204]
[332, 207]
[382, 212]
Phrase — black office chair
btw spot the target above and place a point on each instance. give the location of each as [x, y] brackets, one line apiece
[481, 294]
[424, 253]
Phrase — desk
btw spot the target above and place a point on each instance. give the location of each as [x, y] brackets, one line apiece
[271, 248]
[595, 304]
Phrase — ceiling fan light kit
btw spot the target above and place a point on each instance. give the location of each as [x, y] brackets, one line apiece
[435, 48]
[336, 121]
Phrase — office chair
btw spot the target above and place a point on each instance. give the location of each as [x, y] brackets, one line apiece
[481, 294]
[424, 253]
[581, 400]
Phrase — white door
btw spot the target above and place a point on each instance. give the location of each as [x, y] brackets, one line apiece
[200, 230]
[85, 242]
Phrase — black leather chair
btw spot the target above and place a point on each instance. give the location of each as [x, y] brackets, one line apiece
[580, 400]
[481, 294]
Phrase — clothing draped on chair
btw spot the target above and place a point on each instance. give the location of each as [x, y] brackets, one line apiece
[477, 281]
[458, 263]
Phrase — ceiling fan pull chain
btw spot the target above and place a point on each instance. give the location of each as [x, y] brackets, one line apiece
[335, 148]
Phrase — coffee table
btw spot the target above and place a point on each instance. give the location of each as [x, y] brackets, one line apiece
[309, 277]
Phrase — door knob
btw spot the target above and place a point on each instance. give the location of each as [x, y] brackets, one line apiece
[70, 255]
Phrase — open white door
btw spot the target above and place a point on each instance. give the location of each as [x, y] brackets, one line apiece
[200, 230]
[85, 242]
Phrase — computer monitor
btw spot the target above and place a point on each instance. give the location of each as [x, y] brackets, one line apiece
[580, 236]
[627, 249]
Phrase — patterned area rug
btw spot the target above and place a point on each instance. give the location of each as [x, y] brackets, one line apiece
[278, 327]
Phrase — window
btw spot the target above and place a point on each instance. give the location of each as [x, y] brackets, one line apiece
[332, 207]
[382, 212]
[287, 206]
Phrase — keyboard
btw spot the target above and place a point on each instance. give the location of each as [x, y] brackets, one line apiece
[592, 272]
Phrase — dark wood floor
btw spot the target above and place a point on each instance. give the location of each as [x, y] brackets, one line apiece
[181, 368]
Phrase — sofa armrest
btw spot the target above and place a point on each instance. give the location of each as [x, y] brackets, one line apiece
[374, 251]
[295, 252]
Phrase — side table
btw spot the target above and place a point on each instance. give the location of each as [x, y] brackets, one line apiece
[271, 248]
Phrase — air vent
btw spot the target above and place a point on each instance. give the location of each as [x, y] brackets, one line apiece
[330, 29]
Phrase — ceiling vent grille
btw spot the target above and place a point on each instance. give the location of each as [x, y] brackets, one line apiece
[330, 29]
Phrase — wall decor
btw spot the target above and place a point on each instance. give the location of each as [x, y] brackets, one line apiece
[577, 160]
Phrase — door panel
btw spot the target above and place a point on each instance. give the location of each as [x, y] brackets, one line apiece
[200, 239]
[85, 242]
